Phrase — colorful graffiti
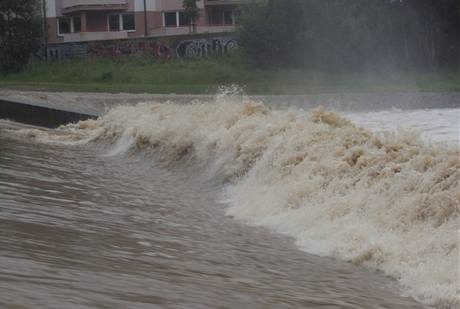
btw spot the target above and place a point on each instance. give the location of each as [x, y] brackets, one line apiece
[165, 49]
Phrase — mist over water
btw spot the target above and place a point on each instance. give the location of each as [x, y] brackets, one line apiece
[383, 201]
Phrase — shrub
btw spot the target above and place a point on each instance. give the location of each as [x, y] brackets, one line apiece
[20, 32]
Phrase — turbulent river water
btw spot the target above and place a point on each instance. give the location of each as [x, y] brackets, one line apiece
[137, 210]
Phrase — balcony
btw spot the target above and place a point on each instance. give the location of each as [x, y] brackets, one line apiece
[69, 6]
[168, 31]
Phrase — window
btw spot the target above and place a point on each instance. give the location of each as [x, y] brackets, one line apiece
[114, 22]
[76, 23]
[215, 17]
[120, 22]
[128, 22]
[183, 19]
[228, 17]
[64, 25]
[69, 25]
[175, 19]
[170, 19]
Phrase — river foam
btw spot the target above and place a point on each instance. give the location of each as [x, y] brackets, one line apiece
[387, 202]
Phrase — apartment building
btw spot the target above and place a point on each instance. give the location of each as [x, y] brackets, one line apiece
[89, 20]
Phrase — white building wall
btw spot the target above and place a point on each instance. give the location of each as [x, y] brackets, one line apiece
[51, 8]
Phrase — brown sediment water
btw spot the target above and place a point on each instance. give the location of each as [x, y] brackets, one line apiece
[79, 230]
[132, 210]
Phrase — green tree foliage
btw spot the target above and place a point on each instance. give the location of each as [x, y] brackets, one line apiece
[351, 35]
[20, 32]
[191, 11]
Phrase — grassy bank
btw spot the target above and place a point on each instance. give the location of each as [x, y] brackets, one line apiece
[201, 76]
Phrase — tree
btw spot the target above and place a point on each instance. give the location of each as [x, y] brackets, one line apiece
[20, 32]
[192, 13]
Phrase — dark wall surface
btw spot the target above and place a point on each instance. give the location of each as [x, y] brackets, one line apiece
[39, 115]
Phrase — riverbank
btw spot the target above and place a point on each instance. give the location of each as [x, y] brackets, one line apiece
[205, 76]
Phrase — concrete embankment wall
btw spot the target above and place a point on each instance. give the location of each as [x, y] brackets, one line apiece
[183, 46]
[53, 109]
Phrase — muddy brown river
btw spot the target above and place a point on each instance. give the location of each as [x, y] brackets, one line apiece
[80, 229]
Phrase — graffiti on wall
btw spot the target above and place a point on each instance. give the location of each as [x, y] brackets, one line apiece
[158, 48]
[205, 47]
[65, 51]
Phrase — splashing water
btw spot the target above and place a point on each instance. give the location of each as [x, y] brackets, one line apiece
[385, 202]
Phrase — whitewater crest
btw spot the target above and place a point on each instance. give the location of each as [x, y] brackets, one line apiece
[385, 202]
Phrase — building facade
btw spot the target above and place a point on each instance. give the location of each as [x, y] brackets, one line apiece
[90, 20]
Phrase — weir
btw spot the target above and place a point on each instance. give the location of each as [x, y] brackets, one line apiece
[51, 110]
[40, 115]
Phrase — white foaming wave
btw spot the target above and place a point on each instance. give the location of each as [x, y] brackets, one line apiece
[72, 134]
[389, 203]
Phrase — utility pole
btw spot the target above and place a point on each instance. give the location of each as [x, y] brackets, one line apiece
[145, 19]
[45, 31]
